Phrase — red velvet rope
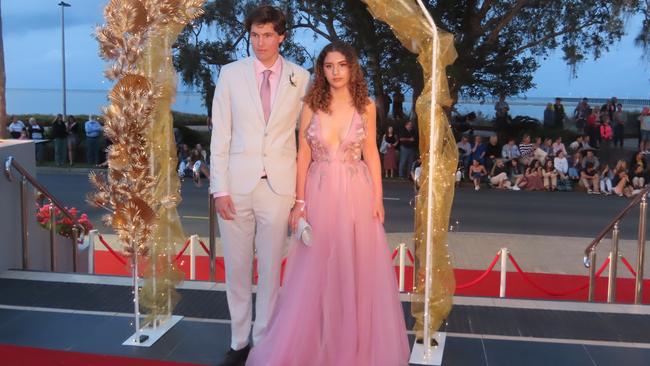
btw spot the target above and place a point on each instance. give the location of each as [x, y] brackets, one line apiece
[629, 266]
[554, 293]
[180, 254]
[117, 256]
[482, 276]
[207, 251]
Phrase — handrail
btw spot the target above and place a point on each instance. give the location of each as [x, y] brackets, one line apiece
[614, 227]
[592, 246]
[77, 228]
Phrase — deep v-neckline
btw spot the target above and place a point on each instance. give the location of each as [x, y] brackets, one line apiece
[345, 136]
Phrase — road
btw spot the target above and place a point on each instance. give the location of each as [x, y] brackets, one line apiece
[573, 214]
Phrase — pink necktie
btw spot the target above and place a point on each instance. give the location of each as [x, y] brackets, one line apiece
[265, 95]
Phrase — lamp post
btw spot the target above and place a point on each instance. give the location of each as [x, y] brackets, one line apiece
[63, 5]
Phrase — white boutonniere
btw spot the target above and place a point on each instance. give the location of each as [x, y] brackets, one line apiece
[291, 79]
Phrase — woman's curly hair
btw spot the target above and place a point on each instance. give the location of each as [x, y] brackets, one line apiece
[319, 98]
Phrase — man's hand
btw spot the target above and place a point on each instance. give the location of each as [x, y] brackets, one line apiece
[225, 207]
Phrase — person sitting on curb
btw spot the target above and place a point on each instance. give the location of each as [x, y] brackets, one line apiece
[590, 179]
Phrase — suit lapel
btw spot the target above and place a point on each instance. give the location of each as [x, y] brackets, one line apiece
[282, 90]
[251, 83]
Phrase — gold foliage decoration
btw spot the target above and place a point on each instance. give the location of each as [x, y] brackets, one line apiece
[414, 31]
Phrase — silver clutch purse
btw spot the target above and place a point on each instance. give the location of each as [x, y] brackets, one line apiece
[303, 231]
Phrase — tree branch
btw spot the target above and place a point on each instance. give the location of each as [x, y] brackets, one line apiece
[316, 30]
[553, 35]
[507, 18]
[485, 7]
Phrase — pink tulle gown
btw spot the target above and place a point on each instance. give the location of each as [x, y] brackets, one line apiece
[339, 305]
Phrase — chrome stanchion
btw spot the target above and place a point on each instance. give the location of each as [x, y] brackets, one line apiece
[52, 233]
[213, 268]
[504, 268]
[592, 274]
[23, 219]
[613, 265]
[75, 239]
[402, 265]
[641, 251]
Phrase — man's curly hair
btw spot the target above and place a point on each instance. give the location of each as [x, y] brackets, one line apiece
[319, 98]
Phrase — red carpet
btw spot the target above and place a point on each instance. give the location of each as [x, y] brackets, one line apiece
[28, 356]
[516, 286]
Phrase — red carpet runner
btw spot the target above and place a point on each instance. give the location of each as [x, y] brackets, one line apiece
[28, 356]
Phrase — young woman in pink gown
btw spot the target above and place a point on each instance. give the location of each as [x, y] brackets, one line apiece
[339, 305]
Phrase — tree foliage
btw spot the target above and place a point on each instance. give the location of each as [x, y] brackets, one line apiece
[500, 43]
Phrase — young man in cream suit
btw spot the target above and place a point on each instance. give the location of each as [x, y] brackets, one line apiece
[255, 110]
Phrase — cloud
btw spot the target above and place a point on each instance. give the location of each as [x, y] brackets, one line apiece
[20, 17]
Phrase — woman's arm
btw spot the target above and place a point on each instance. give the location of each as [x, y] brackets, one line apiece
[371, 157]
[303, 161]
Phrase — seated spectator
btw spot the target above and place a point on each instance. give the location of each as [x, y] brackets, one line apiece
[499, 175]
[581, 143]
[550, 176]
[621, 181]
[638, 177]
[478, 150]
[547, 147]
[477, 172]
[638, 159]
[558, 146]
[533, 177]
[465, 151]
[16, 127]
[199, 167]
[606, 176]
[416, 170]
[575, 166]
[561, 164]
[492, 152]
[516, 174]
[590, 158]
[590, 179]
[510, 151]
[526, 150]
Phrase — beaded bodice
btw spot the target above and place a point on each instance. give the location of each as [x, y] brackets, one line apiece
[350, 148]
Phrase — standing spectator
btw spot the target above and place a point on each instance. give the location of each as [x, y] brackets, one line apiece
[383, 106]
[408, 145]
[477, 172]
[93, 137]
[619, 125]
[390, 155]
[501, 109]
[464, 151]
[590, 179]
[559, 115]
[499, 175]
[15, 127]
[644, 120]
[73, 130]
[398, 105]
[510, 151]
[591, 129]
[558, 146]
[550, 176]
[606, 133]
[478, 150]
[611, 107]
[526, 150]
[580, 114]
[492, 152]
[36, 133]
[60, 135]
[549, 116]
[561, 164]
[516, 174]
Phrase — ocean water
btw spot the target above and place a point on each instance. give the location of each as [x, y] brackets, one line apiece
[49, 101]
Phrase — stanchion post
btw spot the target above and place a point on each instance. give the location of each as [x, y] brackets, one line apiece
[52, 233]
[91, 251]
[23, 221]
[592, 275]
[613, 265]
[193, 241]
[641, 251]
[504, 271]
[402, 259]
[75, 239]
[136, 296]
[212, 254]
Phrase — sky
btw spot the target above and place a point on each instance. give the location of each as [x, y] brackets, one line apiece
[32, 46]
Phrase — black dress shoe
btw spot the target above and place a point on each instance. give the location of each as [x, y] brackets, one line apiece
[236, 358]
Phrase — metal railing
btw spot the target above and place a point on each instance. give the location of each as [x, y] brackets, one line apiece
[77, 228]
[614, 227]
